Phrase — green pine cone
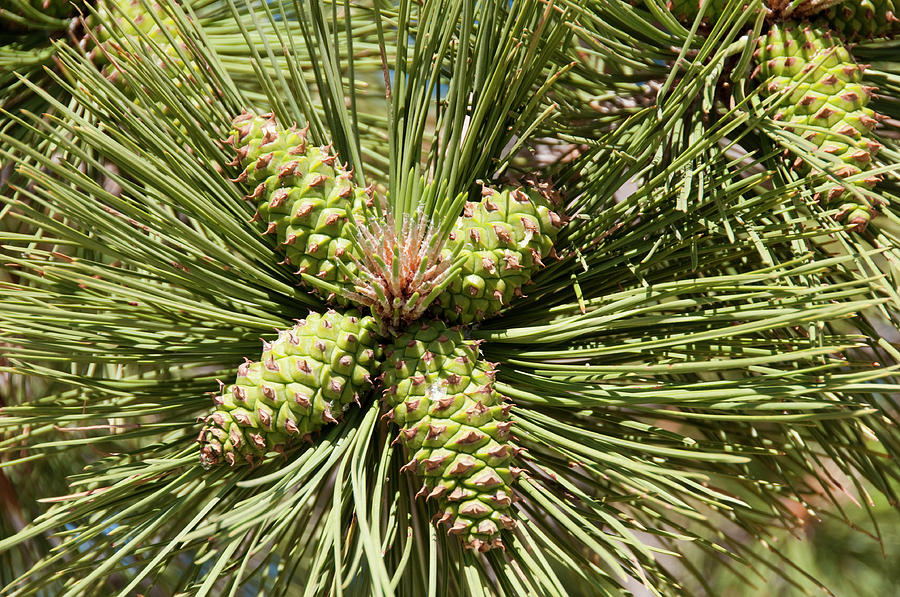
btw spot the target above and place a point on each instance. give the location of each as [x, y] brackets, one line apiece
[302, 194]
[860, 19]
[133, 20]
[455, 428]
[305, 379]
[824, 87]
[129, 18]
[506, 237]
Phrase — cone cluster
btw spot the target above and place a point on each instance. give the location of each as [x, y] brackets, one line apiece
[453, 423]
[304, 380]
[823, 88]
[302, 194]
[455, 428]
[505, 237]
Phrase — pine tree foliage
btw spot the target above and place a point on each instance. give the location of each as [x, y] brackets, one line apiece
[31, 43]
[712, 98]
[706, 357]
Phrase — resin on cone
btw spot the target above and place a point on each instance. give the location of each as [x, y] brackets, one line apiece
[455, 428]
[305, 380]
[823, 88]
[506, 237]
[303, 196]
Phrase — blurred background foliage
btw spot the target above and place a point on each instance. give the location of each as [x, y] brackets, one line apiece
[857, 557]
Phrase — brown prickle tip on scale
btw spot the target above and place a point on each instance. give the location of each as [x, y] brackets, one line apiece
[209, 457]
